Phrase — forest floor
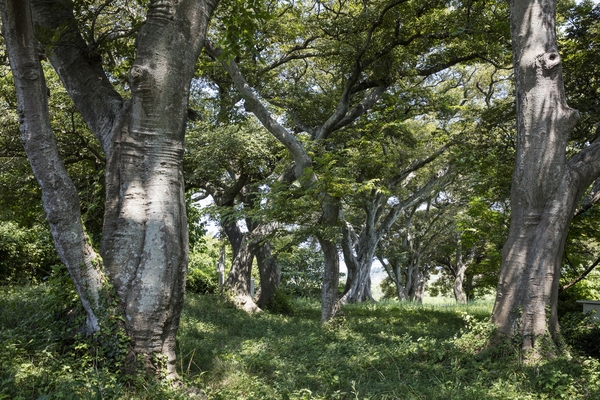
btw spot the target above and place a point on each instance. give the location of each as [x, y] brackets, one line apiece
[378, 351]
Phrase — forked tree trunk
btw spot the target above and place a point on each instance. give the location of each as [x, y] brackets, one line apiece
[144, 246]
[545, 187]
[270, 274]
[358, 282]
[240, 274]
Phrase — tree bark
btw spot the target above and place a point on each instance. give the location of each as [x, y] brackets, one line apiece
[459, 276]
[59, 195]
[144, 243]
[461, 268]
[358, 282]
[331, 276]
[419, 285]
[545, 187]
[238, 279]
[270, 274]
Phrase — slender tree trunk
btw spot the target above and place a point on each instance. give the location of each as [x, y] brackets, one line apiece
[461, 268]
[59, 195]
[331, 276]
[400, 289]
[545, 187]
[412, 281]
[421, 280]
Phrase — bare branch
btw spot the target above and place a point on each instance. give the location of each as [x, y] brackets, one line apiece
[254, 104]
[582, 276]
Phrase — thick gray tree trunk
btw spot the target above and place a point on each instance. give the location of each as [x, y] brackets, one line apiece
[358, 282]
[270, 274]
[545, 187]
[144, 246]
[238, 279]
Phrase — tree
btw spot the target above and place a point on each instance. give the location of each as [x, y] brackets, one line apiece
[343, 59]
[144, 238]
[230, 162]
[546, 185]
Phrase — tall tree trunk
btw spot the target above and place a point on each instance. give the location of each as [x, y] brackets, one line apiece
[270, 274]
[545, 187]
[421, 280]
[400, 289]
[239, 277]
[461, 268]
[358, 283]
[358, 289]
[144, 245]
[59, 195]
[331, 276]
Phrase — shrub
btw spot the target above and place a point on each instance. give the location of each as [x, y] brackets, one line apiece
[587, 289]
[281, 303]
[581, 331]
[202, 274]
[27, 255]
[199, 281]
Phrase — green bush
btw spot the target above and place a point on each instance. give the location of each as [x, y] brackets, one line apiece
[281, 303]
[199, 281]
[581, 331]
[586, 289]
[27, 255]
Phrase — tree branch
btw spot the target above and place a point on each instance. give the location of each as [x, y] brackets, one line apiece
[582, 276]
[254, 104]
[81, 73]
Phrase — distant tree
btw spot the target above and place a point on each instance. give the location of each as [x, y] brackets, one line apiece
[324, 67]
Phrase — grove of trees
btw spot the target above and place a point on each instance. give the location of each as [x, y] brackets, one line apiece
[320, 132]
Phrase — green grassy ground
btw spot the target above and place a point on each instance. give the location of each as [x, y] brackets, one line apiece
[375, 351]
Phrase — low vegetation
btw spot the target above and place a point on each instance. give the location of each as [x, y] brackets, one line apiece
[378, 351]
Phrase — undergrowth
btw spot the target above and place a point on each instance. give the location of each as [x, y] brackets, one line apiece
[374, 351]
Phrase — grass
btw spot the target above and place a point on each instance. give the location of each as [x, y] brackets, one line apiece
[378, 351]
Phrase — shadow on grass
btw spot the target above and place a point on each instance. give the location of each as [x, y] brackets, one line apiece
[383, 351]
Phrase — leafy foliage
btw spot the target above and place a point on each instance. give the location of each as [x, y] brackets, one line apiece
[202, 276]
[27, 255]
[301, 270]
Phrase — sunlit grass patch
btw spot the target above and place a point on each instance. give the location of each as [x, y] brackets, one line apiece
[386, 350]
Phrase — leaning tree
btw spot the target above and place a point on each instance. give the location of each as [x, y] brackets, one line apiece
[143, 255]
